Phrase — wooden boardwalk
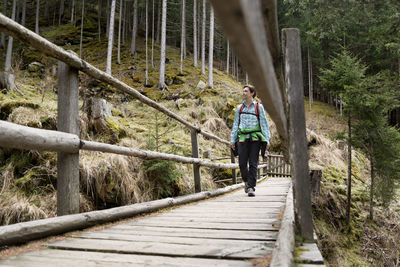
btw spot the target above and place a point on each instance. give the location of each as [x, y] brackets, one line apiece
[231, 230]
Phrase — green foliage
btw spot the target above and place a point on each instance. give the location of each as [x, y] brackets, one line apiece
[163, 173]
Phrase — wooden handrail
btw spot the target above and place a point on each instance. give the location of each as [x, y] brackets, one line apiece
[18, 31]
[23, 137]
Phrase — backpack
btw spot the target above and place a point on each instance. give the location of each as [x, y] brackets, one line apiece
[257, 114]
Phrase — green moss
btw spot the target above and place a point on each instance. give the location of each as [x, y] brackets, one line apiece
[6, 108]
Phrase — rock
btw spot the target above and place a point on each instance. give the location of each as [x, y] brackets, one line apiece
[36, 67]
[201, 85]
[178, 80]
[168, 80]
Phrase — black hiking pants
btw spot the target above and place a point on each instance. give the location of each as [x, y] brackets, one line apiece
[248, 161]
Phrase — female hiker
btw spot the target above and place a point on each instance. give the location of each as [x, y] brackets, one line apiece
[250, 134]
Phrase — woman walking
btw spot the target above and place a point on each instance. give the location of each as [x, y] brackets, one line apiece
[250, 132]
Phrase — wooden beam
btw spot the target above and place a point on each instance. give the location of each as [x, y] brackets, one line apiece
[297, 131]
[68, 121]
[244, 26]
[22, 137]
[23, 34]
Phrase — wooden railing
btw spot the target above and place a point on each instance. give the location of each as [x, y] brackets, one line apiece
[66, 141]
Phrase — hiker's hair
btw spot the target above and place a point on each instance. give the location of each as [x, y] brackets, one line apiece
[251, 88]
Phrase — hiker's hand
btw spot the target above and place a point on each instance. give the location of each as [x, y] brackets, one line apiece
[233, 146]
[267, 148]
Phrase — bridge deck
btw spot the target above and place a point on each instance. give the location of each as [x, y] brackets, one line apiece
[232, 230]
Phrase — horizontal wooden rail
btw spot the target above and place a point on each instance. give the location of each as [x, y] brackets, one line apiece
[23, 137]
[16, 30]
[22, 232]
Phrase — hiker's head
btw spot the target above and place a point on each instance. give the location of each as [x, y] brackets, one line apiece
[249, 91]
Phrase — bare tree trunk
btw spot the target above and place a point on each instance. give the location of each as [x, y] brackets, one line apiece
[161, 83]
[37, 16]
[61, 13]
[110, 37]
[3, 36]
[119, 32]
[108, 18]
[348, 174]
[158, 23]
[46, 10]
[123, 22]
[73, 12]
[195, 33]
[183, 2]
[203, 39]
[82, 18]
[147, 34]
[247, 78]
[227, 57]
[211, 49]
[371, 193]
[7, 65]
[23, 19]
[152, 36]
[309, 78]
[99, 19]
[17, 19]
[134, 30]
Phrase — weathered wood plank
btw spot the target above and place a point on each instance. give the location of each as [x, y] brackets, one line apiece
[186, 232]
[211, 220]
[204, 225]
[68, 258]
[195, 154]
[211, 251]
[310, 254]
[167, 239]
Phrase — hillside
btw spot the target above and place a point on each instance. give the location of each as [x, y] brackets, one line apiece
[28, 178]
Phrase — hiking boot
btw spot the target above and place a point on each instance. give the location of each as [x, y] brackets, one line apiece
[245, 187]
[250, 192]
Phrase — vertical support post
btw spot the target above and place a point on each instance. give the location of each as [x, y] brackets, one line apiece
[297, 131]
[67, 121]
[195, 154]
[234, 181]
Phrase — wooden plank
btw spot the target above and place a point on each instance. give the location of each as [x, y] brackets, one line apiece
[202, 214]
[167, 239]
[297, 131]
[68, 258]
[163, 218]
[160, 249]
[310, 254]
[204, 225]
[199, 233]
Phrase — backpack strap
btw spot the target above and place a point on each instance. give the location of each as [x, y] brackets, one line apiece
[257, 109]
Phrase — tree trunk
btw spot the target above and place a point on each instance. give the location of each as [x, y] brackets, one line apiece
[161, 83]
[211, 49]
[82, 18]
[203, 39]
[73, 12]
[183, 2]
[194, 33]
[348, 174]
[108, 18]
[46, 10]
[110, 38]
[371, 193]
[247, 78]
[147, 34]
[3, 36]
[99, 19]
[37, 16]
[227, 56]
[121, 2]
[7, 65]
[123, 23]
[309, 78]
[152, 36]
[134, 30]
[23, 19]
[158, 23]
[61, 13]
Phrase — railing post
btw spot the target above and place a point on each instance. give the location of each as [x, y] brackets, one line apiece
[67, 121]
[234, 181]
[195, 154]
[297, 131]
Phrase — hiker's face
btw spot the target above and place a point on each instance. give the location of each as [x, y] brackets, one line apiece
[246, 93]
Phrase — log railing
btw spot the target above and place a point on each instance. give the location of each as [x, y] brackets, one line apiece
[66, 141]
